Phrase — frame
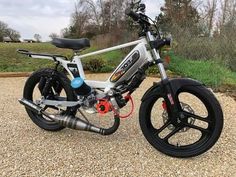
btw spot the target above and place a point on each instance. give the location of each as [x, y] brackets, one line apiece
[76, 61]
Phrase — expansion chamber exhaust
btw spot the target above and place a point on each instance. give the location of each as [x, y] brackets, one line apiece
[71, 121]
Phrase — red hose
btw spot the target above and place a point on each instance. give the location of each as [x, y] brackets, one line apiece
[128, 97]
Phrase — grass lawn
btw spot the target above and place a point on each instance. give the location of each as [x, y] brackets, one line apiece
[11, 61]
[209, 72]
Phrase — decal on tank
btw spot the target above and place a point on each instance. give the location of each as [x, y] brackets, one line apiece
[125, 66]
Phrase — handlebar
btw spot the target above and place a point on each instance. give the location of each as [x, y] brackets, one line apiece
[138, 17]
[166, 41]
[143, 21]
[135, 16]
[159, 43]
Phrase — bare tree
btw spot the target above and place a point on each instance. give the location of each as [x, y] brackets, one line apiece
[65, 32]
[13, 34]
[210, 12]
[224, 11]
[95, 9]
[228, 10]
[80, 19]
[94, 17]
[233, 11]
[113, 15]
[3, 29]
[37, 37]
[53, 35]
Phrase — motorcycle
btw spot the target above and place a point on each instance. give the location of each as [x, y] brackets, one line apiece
[60, 98]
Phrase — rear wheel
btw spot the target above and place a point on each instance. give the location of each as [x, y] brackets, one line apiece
[59, 88]
[199, 125]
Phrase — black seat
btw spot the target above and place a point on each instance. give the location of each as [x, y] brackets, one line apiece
[74, 44]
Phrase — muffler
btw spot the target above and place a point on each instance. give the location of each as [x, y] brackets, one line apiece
[71, 121]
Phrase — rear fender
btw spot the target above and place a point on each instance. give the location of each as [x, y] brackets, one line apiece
[176, 84]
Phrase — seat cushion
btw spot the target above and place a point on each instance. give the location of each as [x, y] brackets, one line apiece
[74, 44]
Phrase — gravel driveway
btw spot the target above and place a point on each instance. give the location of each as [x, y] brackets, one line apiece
[26, 150]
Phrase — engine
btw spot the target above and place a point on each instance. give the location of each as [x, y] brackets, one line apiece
[89, 102]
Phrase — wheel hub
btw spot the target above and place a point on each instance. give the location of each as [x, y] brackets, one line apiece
[181, 118]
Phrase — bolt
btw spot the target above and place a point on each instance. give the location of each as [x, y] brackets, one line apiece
[181, 115]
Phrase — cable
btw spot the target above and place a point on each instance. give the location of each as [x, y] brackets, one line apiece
[128, 97]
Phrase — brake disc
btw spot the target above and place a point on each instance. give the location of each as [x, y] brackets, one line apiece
[185, 107]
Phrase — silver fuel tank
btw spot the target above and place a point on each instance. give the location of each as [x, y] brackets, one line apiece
[129, 66]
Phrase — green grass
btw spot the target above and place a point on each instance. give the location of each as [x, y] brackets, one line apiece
[112, 58]
[11, 61]
[210, 73]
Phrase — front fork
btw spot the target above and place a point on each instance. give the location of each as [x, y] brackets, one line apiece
[172, 101]
[156, 57]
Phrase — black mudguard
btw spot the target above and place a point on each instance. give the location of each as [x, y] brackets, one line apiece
[176, 84]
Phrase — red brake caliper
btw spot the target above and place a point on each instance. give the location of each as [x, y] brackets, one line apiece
[164, 105]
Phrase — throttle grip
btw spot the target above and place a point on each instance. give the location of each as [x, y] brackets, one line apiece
[167, 41]
[159, 43]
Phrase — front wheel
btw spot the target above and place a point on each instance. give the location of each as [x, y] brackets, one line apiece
[198, 128]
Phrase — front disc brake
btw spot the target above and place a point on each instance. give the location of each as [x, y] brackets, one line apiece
[186, 108]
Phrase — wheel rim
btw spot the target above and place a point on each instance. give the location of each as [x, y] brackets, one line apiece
[167, 140]
[36, 95]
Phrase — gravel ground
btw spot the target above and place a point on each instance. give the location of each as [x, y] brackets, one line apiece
[26, 150]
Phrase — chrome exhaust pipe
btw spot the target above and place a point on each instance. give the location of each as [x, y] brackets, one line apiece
[75, 123]
[71, 121]
[30, 105]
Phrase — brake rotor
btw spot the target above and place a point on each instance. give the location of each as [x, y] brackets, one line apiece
[186, 108]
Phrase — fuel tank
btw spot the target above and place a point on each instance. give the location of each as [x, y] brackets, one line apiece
[129, 66]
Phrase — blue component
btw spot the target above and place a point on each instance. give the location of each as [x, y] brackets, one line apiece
[77, 82]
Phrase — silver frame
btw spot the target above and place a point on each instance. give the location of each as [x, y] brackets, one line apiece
[151, 56]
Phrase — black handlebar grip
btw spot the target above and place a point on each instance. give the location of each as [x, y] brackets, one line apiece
[132, 14]
[167, 41]
[159, 43]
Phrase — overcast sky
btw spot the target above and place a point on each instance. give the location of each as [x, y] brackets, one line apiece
[46, 16]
